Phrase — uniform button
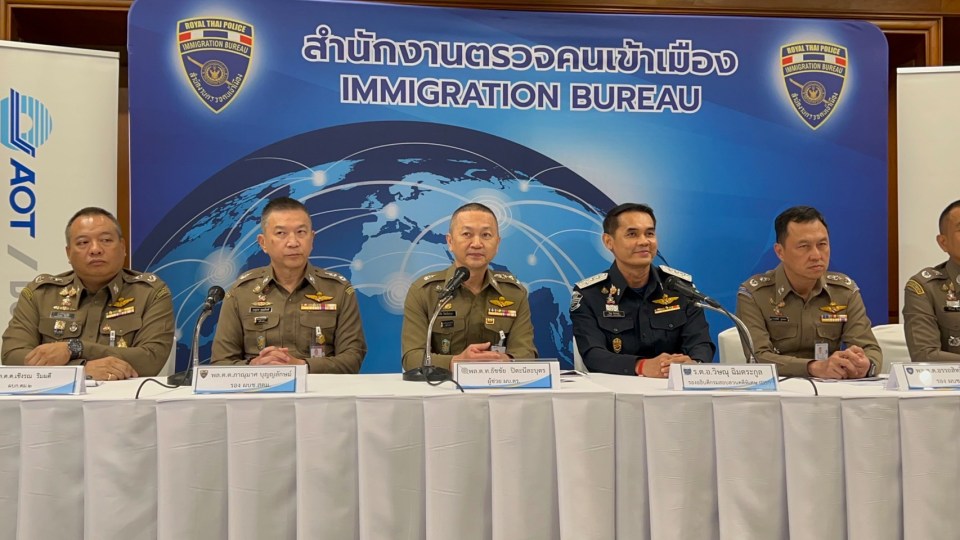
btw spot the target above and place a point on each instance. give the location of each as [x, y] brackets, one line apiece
[670, 325]
[616, 329]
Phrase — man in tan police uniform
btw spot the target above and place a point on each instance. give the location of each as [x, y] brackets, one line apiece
[290, 312]
[118, 322]
[808, 321]
[487, 320]
[931, 301]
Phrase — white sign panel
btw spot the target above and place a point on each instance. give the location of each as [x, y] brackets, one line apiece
[714, 377]
[250, 379]
[42, 380]
[58, 149]
[539, 375]
[924, 376]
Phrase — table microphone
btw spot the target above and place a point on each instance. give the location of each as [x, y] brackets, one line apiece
[185, 378]
[682, 283]
[428, 372]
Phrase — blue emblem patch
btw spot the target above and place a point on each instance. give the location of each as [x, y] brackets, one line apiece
[687, 371]
[814, 74]
[216, 54]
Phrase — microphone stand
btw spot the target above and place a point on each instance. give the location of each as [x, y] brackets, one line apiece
[429, 372]
[185, 378]
[745, 338]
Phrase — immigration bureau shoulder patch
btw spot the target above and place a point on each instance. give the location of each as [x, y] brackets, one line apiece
[814, 74]
[216, 55]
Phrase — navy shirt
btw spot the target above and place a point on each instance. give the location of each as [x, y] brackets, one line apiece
[615, 326]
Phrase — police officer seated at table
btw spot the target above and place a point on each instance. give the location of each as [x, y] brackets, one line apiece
[290, 312]
[117, 322]
[624, 320]
[489, 318]
[931, 301]
[803, 318]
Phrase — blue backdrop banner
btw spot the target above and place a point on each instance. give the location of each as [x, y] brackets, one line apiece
[383, 119]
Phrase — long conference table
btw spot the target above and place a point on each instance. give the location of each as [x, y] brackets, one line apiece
[373, 457]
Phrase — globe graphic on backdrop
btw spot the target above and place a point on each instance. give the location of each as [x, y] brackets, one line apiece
[380, 195]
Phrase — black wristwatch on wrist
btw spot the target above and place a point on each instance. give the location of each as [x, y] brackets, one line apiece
[75, 346]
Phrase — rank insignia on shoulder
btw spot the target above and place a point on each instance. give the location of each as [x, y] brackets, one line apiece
[833, 308]
[592, 280]
[677, 273]
[501, 302]
[319, 297]
[666, 300]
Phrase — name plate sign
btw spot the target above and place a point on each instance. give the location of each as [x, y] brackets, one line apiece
[718, 377]
[42, 380]
[924, 376]
[250, 379]
[536, 375]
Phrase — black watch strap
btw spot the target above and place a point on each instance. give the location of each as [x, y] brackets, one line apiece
[75, 346]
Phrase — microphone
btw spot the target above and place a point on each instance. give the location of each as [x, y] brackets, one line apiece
[214, 296]
[428, 372]
[450, 288]
[683, 283]
[185, 378]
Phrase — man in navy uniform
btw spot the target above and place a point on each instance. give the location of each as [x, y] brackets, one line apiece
[624, 320]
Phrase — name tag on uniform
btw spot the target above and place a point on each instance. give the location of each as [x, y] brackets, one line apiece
[448, 313]
[613, 314]
[726, 377]
[261, 309]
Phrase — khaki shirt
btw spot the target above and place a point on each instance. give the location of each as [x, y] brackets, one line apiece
[931, 323]
[135, 306]
[785, 328]
[322, 312]
[501, 305]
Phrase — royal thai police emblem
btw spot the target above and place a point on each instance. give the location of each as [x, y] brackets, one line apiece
[814, 74]
[216, 55]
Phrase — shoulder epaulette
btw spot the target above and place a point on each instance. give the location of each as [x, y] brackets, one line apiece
[49, 279]
[329, 274]
[429, 278]
[592, 280]
[144, 277]
[759, 281]
[930, 274]
[836, 278]
[249, 275]
[676, 273]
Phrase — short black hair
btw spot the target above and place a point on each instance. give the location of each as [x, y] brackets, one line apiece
[612, 219]
[796, 214]
[281, 204]
[945, 213]
[92, 211]
[474, 207]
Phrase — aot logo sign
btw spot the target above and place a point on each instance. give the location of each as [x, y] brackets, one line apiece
[25, 124]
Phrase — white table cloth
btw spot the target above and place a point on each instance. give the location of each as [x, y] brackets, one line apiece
[371, 457]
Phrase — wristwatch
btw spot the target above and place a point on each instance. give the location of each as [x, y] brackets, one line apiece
[872, 372]
[75, 346]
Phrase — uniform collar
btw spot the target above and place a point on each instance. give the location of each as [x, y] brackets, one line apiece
[113, 287]
[951, 269]
[783, 286]
[652, 287]
[309, 277]
[488, 279]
